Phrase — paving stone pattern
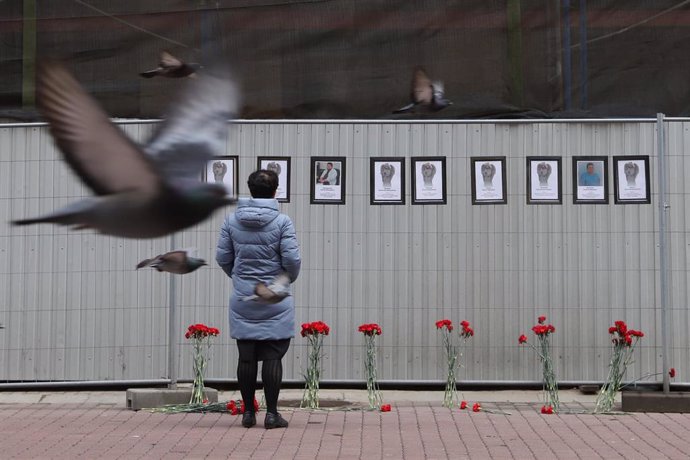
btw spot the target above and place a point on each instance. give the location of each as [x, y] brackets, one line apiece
[416, 431]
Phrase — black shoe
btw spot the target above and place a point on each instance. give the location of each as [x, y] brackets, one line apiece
[274, 421]
[248, 419]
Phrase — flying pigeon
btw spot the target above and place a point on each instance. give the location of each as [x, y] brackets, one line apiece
[425, 93]
[172, 67]
[140, 192]
[274, 292]
[178, 262]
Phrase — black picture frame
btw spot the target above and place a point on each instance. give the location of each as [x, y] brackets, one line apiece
[282, 166]
[626, 180]
[387, 180]
[228, 176]
[487, 191]
[585, 192]
[544, 185]
[428, 183]
[326, 193]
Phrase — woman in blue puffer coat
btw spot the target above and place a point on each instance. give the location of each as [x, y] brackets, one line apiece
[256, 244]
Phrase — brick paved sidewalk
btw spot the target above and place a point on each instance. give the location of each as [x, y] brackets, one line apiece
[105, 431]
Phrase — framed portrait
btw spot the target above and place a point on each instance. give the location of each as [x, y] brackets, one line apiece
[544, 180]
[489, 184]
[590, 180]
[328, 180]
[281, 166]
[387, 180]
[631, 179]
[428, 180]
[223, 170]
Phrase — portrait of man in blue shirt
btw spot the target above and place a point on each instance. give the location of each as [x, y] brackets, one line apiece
[589, 177]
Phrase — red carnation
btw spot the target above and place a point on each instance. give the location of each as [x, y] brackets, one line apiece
[386, 408]
[477, 407]
[522, 339]
[232, 407]
[541, 319]
[463, 404]
[546, 410]
[316, 327]
[622, 327]
[672, 372]
[370, 329]
[444, 323]
[612, 330]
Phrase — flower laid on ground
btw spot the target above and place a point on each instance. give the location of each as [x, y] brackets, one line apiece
[314, 332]
[452, 354]
[550, 385]
[200, 334]
[234, 407]
[370, 332]
[477, 407]
[623, 343]
[385, 408]
[672, 372]
[546, 410]
[238, 408]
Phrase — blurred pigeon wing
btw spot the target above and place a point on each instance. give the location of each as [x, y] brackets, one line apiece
[145, 262]
[280, 284]
[266, 294]
[421, 87]
[196, 130]
[175, 257]
[438, 88]
[105, 159]
[168, 60]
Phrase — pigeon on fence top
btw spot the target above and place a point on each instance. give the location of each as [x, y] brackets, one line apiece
[274, 292]
[178, 262]
[140, 192]
[172, 67]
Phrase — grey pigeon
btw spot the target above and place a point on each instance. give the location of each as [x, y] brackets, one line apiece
[140, 192]
[172, 67]
[425, 93]
[274, 292]
[178, 262]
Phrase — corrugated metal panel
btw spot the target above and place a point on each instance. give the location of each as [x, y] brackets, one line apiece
[75, 308]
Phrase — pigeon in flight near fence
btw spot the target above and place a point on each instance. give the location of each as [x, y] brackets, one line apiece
[425, 93]
[172, 67]
[274, 292]
[140, 192]
[178, 262]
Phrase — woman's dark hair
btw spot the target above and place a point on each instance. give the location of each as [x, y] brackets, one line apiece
[263, 183]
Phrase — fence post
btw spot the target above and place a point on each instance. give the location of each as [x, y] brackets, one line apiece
[663, 261]
[172, 327]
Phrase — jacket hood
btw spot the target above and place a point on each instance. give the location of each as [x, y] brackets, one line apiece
[256, 212]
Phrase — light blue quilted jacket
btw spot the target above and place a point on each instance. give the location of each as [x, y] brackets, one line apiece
[257, 243]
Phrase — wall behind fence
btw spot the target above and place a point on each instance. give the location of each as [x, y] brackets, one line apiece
[74, 308]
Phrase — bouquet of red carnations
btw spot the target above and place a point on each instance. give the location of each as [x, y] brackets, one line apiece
[314, 332]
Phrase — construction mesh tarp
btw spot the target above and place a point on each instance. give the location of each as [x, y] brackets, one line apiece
[345, 59]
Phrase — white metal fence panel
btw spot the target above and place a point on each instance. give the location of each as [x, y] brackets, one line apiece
[74, 308]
